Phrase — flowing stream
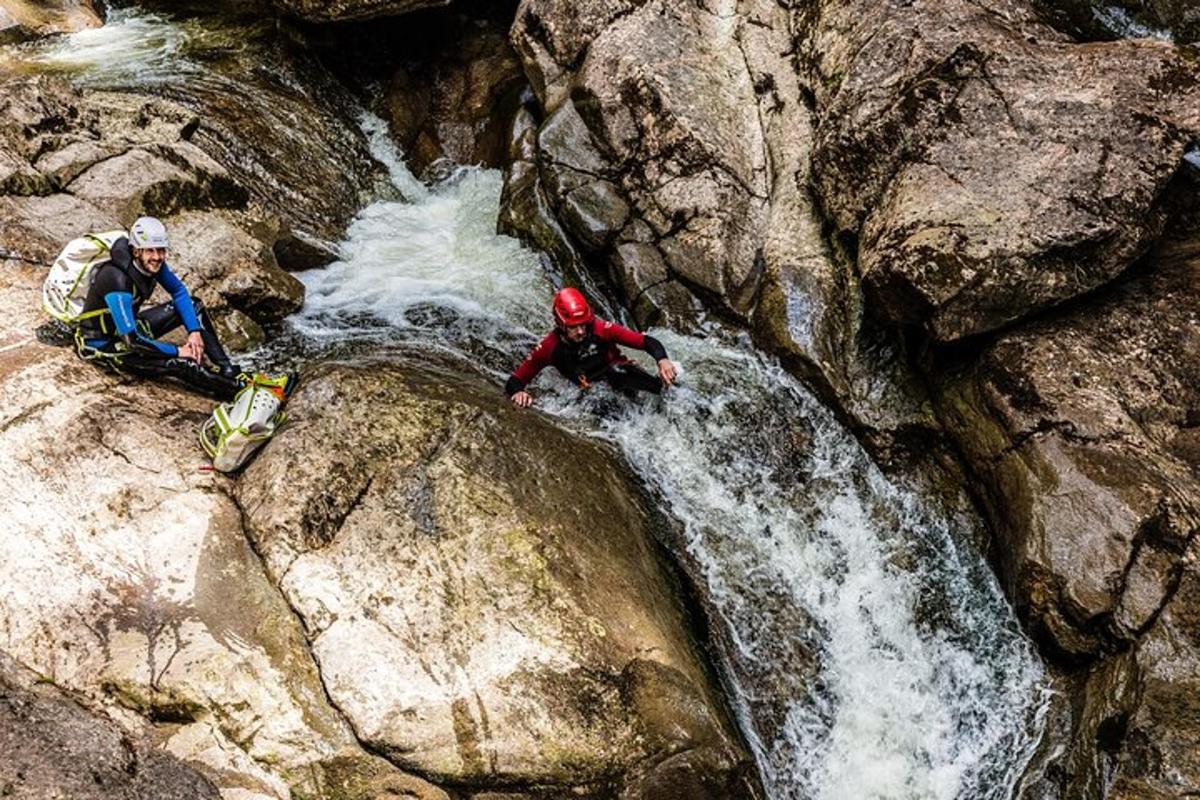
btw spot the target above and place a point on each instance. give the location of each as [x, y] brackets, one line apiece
[866, 647]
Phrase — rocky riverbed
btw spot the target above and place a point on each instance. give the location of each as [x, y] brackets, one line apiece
[968, 227]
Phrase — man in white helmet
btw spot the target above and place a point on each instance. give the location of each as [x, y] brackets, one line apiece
[127, 337]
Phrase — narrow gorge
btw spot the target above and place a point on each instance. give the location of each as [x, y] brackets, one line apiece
[917, 522]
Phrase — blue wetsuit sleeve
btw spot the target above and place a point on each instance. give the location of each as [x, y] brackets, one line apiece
[183, 300]
[120, 305]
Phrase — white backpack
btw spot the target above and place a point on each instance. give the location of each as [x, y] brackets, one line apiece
[238, 428]
[66, 288]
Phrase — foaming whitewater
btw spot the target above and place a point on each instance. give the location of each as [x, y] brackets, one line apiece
[869, 652]
[429, 269]
[874, 656]
[1121, 23]
[133, 48]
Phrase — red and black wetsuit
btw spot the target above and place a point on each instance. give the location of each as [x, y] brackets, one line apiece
[595, 358]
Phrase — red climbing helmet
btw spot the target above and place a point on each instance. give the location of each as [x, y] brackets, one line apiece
[570, 308]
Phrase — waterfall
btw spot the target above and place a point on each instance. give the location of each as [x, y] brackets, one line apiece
[867, 648]
[870, 651]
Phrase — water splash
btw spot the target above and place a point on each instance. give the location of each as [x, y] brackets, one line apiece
[133, 49]
[431, 269]
[921, 685]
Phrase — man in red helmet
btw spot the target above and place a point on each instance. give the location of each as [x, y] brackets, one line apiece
[584, 349]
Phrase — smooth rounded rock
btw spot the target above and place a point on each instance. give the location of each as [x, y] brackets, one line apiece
[480, 587]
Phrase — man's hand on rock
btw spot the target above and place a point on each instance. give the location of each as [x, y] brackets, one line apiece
[522, 399]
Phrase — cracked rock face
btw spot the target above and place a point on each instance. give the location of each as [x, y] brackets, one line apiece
[481, 592]
[1082, 431]
[652, 138]
[1162, 754]
[1082, 428]
[54, 748]
[990, 167]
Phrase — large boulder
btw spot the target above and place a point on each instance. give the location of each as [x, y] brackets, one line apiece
[988, 166]
[652, 142]
[128, 580]
[482, 592]
[1083, 434]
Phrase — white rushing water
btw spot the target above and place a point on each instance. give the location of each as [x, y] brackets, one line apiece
[868, 651]
[1121, 23]
[133, 48]
[871, 653]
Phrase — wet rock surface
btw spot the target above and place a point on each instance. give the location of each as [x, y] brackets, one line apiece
[447, 81]
[1079, 431]
[253, 100]
[282, 125]
[1177, 20]
[651, 136]
[1079, 428]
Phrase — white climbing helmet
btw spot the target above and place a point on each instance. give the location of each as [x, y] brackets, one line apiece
[148, 232]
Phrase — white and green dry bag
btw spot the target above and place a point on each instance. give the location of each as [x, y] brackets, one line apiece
[237, 429]
[65, 290]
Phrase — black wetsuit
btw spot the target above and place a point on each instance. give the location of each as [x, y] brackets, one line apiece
[128, 339]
